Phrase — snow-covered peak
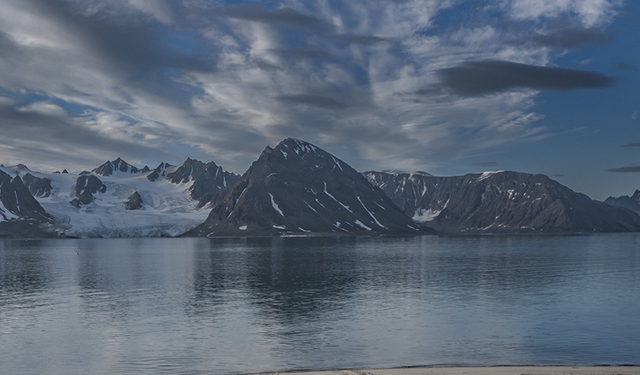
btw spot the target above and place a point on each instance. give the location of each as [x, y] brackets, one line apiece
[488, 174]
[297, 146]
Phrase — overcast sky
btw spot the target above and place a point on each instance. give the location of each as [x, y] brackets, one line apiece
[448, 87]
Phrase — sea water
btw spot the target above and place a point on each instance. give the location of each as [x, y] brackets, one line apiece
[223, 306]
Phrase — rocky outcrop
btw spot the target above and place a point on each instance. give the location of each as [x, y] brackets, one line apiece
[134, 202]
[297, 187]
[500, 201]
[86, 186]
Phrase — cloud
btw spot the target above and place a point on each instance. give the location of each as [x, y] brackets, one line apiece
[280, 17]
[484, 164]
[634, 169]
[368, 40]
[293, 54]
[478, 78]
[69, 142]
[364, 79]
[565, 37]
[589, 12]
[314, 101]
[634, 115]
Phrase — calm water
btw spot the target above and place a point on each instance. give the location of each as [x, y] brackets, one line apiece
[192, 306]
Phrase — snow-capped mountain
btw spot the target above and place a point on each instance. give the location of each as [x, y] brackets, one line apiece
[297, 187]
[118, 199]
[630, 202]
[500, 201]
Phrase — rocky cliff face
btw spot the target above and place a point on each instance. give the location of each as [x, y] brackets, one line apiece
[297, 187]
[500, 202]
[17, 203]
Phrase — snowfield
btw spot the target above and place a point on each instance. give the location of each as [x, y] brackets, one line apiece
[167, 208]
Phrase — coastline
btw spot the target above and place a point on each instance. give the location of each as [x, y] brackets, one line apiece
[479, 370]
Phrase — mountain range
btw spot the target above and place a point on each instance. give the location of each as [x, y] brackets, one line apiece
[294, 188]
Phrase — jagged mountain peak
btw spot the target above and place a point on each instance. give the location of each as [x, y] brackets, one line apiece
[118, 165]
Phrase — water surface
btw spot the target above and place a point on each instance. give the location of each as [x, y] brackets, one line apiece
[200, 306]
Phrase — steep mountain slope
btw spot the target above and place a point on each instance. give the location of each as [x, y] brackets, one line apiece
[630, 202]
[500, 202]
[20, 213]
[297, 187]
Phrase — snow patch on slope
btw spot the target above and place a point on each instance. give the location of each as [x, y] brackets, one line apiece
[275, 205]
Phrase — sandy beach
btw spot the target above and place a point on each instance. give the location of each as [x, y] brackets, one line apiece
[498, 370]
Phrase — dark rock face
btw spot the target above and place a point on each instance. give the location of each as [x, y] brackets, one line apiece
[630, 202]
[297, 187]
[210, 181]
[500, 202]
[86, 187]
[160, 171]
[39, 187]
[119, 165]
[17, 203]
[134, 202]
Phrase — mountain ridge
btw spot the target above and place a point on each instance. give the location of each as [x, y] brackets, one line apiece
[500, 202]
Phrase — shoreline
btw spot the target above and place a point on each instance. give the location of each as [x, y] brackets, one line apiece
[477, 370]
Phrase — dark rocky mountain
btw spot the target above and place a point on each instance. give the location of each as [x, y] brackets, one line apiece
[86, 186]
[39, 187]
[297, 187]
[17, 203]
[500, 202]
[630, 202]
[134, 202]
[117, 165]
[210, 181]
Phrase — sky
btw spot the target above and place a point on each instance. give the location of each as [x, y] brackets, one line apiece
[443, 86]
